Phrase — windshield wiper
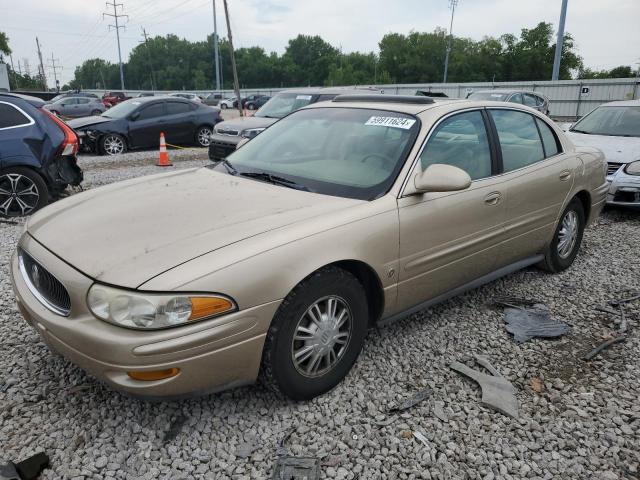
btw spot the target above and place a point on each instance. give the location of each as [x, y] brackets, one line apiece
[275, 179]
[230, 168]
[579, 131]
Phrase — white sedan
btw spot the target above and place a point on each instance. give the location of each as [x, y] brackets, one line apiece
[614, 128]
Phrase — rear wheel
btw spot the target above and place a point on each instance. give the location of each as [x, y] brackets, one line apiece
[251, 106]
[223, 106]
[112, 144]
[316, 335]
[22, 192]
[566, 240]
[203, 136]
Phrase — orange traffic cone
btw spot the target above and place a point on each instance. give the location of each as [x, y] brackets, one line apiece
[163, 161]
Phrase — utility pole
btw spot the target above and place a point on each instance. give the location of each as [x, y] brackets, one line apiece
[146, 46]
[558, 56]
[216, 51]
[117, 27]
[452, 4]
[236, 84]
[13, 70]
[43, 77]
[55, 67]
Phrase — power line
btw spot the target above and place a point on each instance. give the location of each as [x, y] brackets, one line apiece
[117, 28]
[452, 4]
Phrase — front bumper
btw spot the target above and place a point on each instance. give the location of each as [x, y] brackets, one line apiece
[221, 146]
[624, 189]
[212, 355]
[87, 143]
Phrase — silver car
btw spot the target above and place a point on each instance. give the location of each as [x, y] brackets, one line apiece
[614, 128]
[76, 107]
[523, 97]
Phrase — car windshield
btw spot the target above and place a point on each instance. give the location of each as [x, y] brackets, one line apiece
[122, 109]
[613, 121]
[345, 152]
[492, 96]
[283, 104]
[56, 98]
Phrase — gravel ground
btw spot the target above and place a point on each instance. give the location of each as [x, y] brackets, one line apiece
[581, 421]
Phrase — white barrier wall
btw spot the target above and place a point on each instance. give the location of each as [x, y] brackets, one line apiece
[568, 98]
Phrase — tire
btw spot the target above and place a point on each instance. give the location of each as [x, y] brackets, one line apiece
[26, 190]
[202, 136]
[223, 106]
[320, 370]
[251, 106]
[96, 112]
[560, 255]
[112, 144]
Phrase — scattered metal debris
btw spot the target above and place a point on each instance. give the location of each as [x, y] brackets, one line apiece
[603, 346]
[516, 302]
[497, 392]
[438, 411]
[281, 449]
[174, 428]
[420, 437]
[536, 321]
[634, 296]
[333, 460]
[411, 401]
[296, 468]
[28, 469]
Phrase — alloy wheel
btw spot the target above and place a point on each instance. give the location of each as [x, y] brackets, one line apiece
[113, 145]
[204, 135]
[321, 336]
[568, 234]
[19, 195]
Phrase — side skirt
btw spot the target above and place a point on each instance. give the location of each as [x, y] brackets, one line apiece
[478, 282]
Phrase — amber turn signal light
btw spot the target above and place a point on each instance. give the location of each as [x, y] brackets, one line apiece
[202, 307]
[152, 375]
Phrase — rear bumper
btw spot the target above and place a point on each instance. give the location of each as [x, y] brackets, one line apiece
[221, 146]
[211, 355]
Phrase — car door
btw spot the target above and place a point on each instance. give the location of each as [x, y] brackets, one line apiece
[180, 125]
[531, 100]
[146, 124]
[83, 107]
[538, 176]
[449, 239]
[68, 107]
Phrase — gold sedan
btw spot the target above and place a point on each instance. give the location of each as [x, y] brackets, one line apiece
[275, 262]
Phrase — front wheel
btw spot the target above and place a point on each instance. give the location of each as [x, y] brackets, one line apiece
[203, 136]
[316, 335]
[22, 192]
[112, 144]
[566, 239]
[223, 106]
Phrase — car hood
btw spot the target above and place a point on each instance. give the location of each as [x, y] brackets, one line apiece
[129, 232]
[87, 121]
[615, 149]
[243, 123]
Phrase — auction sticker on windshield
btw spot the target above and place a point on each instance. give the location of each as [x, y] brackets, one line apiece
[396, 122]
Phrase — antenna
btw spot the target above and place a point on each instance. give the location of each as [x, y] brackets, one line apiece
[117, 28]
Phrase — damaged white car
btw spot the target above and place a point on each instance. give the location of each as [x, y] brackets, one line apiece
[614, 128]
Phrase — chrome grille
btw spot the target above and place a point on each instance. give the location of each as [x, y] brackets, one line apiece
[44, 286]
[224, 131]
[613, 167]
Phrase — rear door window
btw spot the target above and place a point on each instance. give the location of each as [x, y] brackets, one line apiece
[549, 139]
[519, 139]
[11, 117]
[516, 98]
[174, 108]
[530, 100]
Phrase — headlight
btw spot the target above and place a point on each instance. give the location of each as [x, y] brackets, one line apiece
[152, 311]
[633, 168]
[251, 132]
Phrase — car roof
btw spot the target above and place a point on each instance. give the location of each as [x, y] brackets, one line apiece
[404, 106]
[332, 90]
[35, 101]
[622, 103]
[506, 90]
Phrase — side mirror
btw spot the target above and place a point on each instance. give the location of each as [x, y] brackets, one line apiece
[134, 116]
[441, 178]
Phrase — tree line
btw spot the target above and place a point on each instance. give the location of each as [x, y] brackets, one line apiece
[172, 63]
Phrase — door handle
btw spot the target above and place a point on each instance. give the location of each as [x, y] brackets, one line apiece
[565, 175]
[493, 198]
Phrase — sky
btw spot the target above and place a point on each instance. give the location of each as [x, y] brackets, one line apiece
[71, 31]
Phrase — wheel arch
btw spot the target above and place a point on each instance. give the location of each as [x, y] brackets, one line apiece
[585, 200]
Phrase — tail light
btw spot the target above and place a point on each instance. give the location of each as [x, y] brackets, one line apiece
[70, 143]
